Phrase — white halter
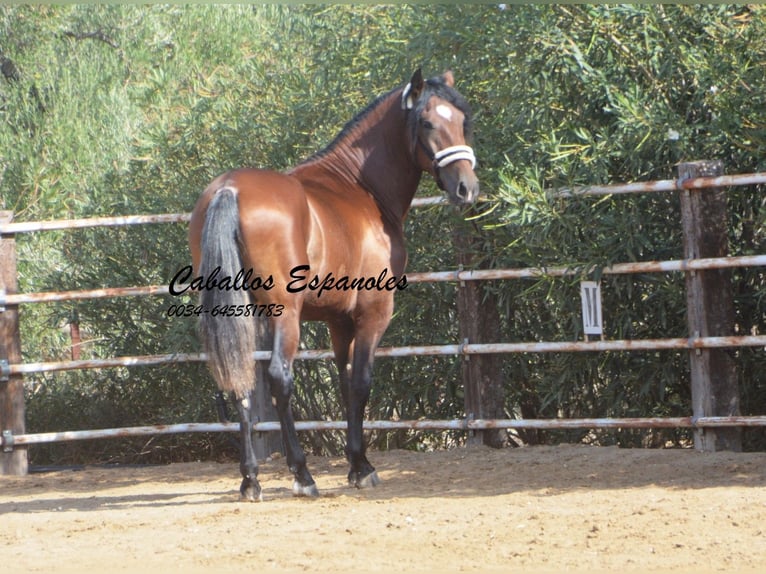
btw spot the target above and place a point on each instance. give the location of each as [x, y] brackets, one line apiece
[455, 153]
[448, 155]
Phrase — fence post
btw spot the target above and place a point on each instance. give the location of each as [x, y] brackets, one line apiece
[710, 307]
[478, 322]
[12, 423]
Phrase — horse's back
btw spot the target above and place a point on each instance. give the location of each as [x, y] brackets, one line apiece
[274, 219]
[295, 227]
[261, 194]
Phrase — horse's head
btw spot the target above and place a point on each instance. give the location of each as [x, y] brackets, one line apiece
[440, 123]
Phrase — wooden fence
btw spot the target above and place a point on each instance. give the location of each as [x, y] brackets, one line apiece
[715, 395]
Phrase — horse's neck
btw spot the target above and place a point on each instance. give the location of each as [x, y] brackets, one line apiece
[374, 157]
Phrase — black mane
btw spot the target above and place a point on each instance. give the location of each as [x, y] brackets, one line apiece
[433, 87]
[350, 125]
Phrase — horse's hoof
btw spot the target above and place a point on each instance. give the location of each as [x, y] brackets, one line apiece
[249, 493]
[309, 491]
[250, 496]
[369, 481]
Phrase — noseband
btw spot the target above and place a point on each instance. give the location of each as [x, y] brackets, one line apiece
[454, 153]
[448, 155]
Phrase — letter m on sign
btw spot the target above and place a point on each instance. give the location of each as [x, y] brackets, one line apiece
[590, 293]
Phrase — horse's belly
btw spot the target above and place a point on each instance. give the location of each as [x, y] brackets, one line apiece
[329, 294]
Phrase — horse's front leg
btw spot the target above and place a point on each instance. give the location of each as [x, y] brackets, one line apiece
[250, 489]
[362, 474]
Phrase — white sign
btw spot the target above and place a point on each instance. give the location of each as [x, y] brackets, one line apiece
[592, 322]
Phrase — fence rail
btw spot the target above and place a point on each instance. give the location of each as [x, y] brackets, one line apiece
[414, 351]
[427, 277]
[679, 184]
[126, 220]
[11, 440]
[614, 189]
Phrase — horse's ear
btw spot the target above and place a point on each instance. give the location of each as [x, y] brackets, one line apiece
[412, 90]
[449, 79]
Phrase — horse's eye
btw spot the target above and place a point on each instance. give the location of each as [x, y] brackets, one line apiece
[427, 125]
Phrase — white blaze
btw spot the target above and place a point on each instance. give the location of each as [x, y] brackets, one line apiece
[444, 111]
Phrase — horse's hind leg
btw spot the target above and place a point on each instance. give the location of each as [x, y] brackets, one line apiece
[250, 490]
[286, 333]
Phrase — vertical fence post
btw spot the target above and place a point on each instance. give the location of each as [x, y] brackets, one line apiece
[12, 461]
[478, 322]
[265, 443]
[710, 307]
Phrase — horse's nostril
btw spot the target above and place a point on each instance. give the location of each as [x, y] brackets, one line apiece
[462, 190]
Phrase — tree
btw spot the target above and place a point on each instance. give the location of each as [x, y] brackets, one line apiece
[121, 110]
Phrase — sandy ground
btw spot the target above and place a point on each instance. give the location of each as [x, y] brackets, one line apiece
[539, 509]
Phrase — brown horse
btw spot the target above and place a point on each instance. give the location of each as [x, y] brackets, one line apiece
[323, 241]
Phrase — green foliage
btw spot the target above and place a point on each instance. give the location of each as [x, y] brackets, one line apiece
[125, 109]
[621, 94]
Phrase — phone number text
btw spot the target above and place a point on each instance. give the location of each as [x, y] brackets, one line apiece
[250, 310]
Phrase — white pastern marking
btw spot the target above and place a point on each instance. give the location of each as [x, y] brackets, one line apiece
[245, 403]
[444, 111]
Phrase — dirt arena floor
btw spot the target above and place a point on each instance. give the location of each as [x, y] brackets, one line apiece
[539, 509]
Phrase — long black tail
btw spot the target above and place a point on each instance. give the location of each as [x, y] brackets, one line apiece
[228, 340]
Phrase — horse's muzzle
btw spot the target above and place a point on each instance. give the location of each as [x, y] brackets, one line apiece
[460, 183]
